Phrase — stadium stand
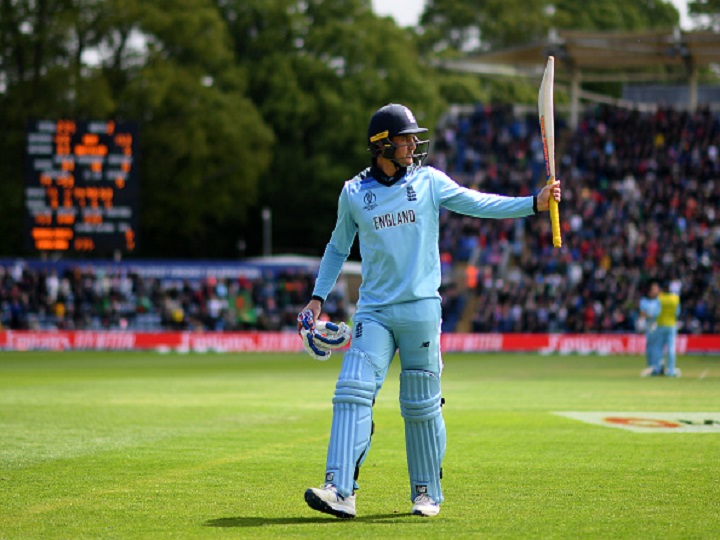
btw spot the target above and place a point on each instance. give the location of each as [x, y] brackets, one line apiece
[167, 296]
[641, 193]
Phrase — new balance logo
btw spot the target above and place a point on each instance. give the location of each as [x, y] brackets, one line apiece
[421, 490]
[411, 195]
[329, 477]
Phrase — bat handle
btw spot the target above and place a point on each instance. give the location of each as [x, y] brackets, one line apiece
[555, 219]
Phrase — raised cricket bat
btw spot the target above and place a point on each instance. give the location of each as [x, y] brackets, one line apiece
[547, 129]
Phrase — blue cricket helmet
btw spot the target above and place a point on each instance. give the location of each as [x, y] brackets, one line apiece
[389, 121]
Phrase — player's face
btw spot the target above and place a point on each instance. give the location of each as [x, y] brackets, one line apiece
[406, 145]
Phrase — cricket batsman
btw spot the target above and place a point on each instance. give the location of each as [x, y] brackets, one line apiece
[393, 208]
[649, 311]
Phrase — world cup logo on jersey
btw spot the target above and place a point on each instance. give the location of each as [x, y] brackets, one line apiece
[369, 200]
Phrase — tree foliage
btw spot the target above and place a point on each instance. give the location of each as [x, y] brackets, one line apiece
[317, 74]
[449, 25]
[628, 15]
[705, 14]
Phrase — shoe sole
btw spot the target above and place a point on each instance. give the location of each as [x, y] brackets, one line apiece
[316, 503]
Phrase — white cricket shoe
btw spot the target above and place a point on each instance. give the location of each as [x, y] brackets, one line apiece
[327, 499]
[646, 372]
[425, 506]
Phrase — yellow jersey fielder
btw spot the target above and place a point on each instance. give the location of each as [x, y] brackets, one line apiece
[666, 331]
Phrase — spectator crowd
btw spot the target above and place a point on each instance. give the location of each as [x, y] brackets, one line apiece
[87, 297]
[641, 192]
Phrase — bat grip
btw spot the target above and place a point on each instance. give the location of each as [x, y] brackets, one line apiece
[555, 218]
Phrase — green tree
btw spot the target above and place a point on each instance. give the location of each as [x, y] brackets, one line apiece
[453, 26]
[204, 143]
[318, 70]
[165, 64]
[705, 14]
[450, 26]
[630, 15]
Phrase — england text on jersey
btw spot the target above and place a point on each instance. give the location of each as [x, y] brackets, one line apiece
[393, 219]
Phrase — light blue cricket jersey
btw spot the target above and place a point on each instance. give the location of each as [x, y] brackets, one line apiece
[398, 230]
[651, 308]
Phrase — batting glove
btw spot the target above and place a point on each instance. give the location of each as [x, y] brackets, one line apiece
[313, 348]
[332, 335]
[306, 321]
[319, 338]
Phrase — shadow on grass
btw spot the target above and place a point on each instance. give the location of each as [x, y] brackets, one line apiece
[297, 520]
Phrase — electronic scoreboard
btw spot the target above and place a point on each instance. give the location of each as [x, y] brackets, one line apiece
[81, 186]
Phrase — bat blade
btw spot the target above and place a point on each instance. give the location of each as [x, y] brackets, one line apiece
[546, 114]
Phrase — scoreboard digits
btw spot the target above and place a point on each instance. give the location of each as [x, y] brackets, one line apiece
[81, 186]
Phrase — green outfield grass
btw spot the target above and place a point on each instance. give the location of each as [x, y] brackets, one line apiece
[145, 445]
